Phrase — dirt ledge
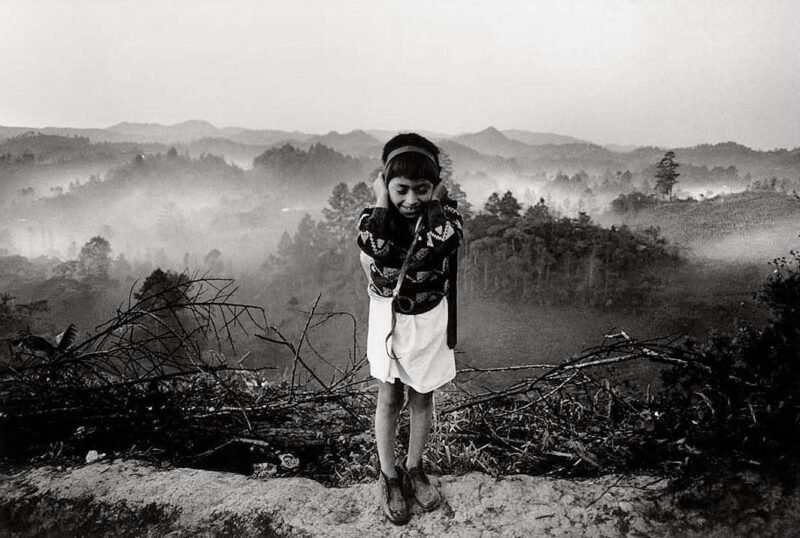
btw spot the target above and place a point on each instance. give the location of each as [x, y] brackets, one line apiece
[129, 498]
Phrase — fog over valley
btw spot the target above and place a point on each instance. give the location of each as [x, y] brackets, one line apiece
[192, 187]
[556, 226]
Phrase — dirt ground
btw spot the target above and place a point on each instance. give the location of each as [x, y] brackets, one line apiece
[130, 498]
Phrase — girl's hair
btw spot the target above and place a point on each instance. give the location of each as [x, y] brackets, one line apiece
[412, 165]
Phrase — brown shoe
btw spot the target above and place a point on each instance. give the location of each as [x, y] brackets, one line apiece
[417, 486]
[394, 503]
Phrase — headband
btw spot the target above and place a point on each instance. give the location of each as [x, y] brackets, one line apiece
[408, 149]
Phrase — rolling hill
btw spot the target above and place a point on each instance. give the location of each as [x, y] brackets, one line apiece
[357, 143]
[745, 226]
[186, 131]
[490, 141]
[541, 139]
[488, 151]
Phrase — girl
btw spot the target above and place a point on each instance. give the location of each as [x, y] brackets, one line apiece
[406, 239]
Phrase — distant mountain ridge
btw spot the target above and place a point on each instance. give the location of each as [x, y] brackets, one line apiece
[492, 142]
[541, 139]
[467, 159]
[489, 150]
[357, 143]
[186, 131]
[267, 137]
[385, 134]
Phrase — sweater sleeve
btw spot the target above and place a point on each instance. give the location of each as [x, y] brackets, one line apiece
[444, 230]
[373, 233]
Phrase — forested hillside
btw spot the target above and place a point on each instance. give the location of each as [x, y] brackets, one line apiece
[762, 223]
[34, 165]
[301, 174]
[507, 255]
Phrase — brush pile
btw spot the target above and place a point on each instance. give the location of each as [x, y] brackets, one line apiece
[167, 379]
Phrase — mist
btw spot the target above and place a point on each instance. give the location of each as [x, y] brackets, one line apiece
[752, 246]
[257, 209]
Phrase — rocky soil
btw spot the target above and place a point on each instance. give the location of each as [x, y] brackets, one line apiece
[130, 498]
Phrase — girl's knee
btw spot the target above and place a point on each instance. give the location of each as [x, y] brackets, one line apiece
[420, 400]
[390, 397]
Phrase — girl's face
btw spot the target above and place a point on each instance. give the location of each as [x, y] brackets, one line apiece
[409, 196]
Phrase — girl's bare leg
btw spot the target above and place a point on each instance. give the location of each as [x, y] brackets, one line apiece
[390, 402]
[421, 407]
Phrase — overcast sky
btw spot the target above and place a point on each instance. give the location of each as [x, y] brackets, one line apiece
[660, 72]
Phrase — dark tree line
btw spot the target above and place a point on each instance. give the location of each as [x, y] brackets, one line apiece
[535, 256]
[541, 257]
[317, 165]
[322, 256]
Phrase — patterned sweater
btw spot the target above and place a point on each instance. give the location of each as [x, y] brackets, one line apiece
[385, 238]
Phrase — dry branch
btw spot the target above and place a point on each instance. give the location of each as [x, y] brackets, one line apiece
[170, 360]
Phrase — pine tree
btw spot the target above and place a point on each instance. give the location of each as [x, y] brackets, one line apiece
[666, 174]
[509, 207]
[492, 205]
[339, 214]
[162, 288]
[453, 188]
[363, 196]
[213, 262]
[455, 192]
[95, 258]
[539, 213]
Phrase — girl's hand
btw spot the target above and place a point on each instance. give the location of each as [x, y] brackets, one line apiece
[439, 191]
[381, 191]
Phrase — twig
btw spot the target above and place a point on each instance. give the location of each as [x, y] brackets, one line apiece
[609, 488]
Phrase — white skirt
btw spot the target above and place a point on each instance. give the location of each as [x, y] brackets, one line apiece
[420, 341]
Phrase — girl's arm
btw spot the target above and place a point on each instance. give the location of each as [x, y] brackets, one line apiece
[444, 227]
[373, 232]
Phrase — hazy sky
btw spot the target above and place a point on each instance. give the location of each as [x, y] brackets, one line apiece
[667, 73]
